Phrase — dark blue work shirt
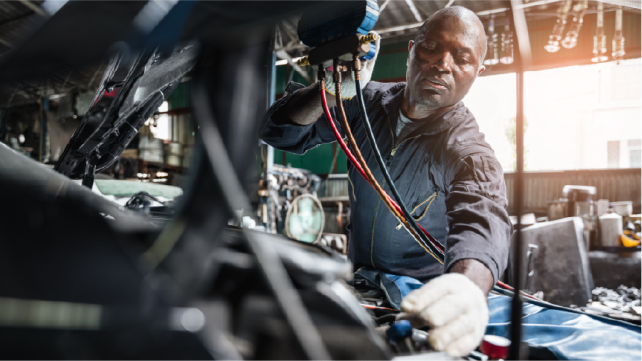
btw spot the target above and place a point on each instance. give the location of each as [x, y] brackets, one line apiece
[446, 173]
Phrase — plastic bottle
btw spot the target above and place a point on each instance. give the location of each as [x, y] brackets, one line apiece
[610, 229]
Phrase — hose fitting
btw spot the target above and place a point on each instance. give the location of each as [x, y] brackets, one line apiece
[368, 38]
[336, 76]
[357, 67]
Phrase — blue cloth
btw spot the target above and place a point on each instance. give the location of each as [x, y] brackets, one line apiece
[567, 335]
[561, 334]
[406, 284]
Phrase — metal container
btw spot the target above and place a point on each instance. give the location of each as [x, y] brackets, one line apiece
[174, 160]
[174, 149]
[556, 210]
[151, 155]
[601, 207]
[610, 230]
[580, 200]
[623, 208]
[150, 143]
[150, 149]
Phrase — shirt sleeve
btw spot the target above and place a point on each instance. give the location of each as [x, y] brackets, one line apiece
[277, 130]
[479, 226]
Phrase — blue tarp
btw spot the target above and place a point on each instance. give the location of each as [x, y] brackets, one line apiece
[558, 333]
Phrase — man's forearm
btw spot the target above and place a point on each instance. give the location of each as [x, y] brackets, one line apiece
[305, 107]
[476, 271]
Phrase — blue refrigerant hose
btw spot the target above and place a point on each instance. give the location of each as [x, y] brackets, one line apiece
[373, 144]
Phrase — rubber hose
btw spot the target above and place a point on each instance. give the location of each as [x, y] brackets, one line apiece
[371, 179]
[356, 164]
[427, 239]
[394, 208]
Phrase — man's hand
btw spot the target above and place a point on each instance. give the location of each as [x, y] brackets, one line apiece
[456, 310]
[348, 87]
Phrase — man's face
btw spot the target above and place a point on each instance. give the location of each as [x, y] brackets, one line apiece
[444, 62]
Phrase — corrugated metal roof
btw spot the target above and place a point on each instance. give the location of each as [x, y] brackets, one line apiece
[15, 20]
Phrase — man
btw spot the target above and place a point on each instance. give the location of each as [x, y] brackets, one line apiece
[446, 174]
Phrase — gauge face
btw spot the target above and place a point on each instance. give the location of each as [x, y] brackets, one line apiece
[304, 221]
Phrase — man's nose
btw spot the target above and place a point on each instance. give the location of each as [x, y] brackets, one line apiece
[443, 62]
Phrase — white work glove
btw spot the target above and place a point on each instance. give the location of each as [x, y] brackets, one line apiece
[456, 310]
[348, 88]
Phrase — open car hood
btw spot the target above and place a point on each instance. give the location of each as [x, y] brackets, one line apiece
[143, 82]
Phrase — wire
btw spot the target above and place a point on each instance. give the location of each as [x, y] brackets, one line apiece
[389, 318]
[267, 256]
[346, 127]
[353, 160]
[426, 238]
[509, 288]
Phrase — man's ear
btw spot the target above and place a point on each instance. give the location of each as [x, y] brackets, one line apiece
[411, 43]
[481, 70]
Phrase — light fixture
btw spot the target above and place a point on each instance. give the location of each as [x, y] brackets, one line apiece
[492, 57]
[618, 39]
[570, 41]
[162, 174]
[159, 180]
[21, 138]
[599, 40]
[142, 175]
[554, 39]
[507, 44]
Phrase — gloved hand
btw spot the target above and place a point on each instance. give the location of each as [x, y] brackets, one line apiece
[348, 89]
[456, 310]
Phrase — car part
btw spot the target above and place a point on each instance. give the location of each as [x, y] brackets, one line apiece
[143, 83]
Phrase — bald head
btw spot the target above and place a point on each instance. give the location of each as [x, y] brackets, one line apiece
[473, 27]
[444, 60]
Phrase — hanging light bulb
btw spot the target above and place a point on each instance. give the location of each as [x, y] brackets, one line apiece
[571, 36]
[618, 39]
[492, 56]
[554, 39]
[507, 44]
[599, 40]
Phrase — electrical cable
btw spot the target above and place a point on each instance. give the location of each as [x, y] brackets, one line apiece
[389, 318]
[267, 257]
[425, 237]
[553, 306]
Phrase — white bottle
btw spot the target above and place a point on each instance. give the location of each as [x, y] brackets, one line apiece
[610, 230]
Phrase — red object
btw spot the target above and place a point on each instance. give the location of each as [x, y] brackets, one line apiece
[507, 287]
[352, 159]
[495, 347]
[377, 308]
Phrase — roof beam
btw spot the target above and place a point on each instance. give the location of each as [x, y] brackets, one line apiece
[414, 10]
[33, 7]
